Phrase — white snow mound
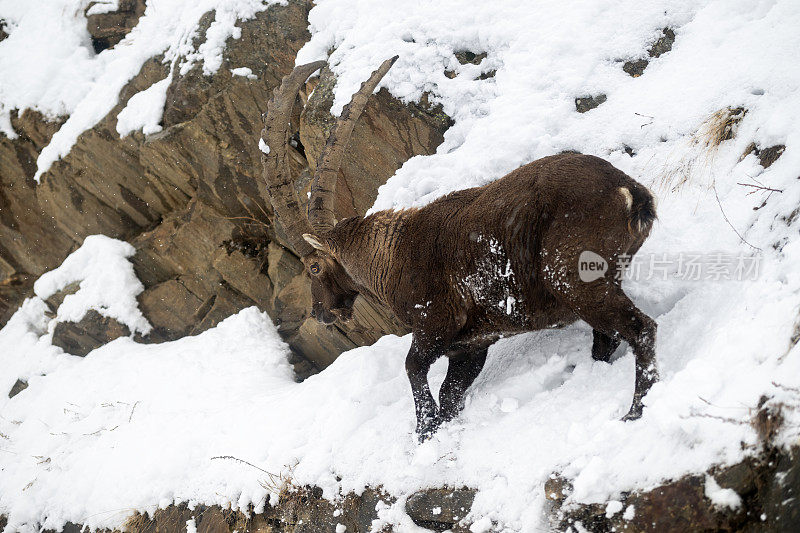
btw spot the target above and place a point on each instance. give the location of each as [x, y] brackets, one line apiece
[108, 283]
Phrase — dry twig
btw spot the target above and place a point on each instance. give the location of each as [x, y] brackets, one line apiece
[714, 187]
[232, 458]
[645, 116]
[132, 410]
[715, 417]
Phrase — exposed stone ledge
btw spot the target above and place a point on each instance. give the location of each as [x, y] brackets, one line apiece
[187, 198]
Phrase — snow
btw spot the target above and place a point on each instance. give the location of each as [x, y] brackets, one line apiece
[135, 426]
[103, 6]
[719, 496]
[47, 62]
[481, 526]
[630, 513]
[108, 424]
[244, 72]
[509, 405]
[144, 110]
[613, 507]
[108, 283]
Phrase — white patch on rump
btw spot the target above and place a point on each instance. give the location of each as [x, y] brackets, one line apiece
[626, 194]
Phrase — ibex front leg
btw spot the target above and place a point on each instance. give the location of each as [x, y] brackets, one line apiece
[418, 361]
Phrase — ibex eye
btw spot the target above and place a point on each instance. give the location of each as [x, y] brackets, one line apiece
[314, 268]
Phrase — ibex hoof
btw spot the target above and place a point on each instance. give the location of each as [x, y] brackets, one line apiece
[634, 414]
[422, 437]
[427, 429]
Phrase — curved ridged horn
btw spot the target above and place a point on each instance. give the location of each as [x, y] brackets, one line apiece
[323, 186]
[274, 156]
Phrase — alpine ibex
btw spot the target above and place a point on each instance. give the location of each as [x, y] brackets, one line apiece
[472, 266]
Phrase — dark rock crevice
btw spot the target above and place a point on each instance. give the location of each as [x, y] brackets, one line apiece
[108, 29]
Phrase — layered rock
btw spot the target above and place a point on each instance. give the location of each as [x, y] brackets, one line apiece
[758, 494]
[767, 485]
[305, 510]
[207, 243]
[107, 29]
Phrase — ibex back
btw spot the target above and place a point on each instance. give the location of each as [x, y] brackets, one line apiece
[474, 265]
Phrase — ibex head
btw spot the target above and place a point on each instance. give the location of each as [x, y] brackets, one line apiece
[333, 291]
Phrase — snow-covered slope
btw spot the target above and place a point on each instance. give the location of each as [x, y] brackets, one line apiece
[135, 427]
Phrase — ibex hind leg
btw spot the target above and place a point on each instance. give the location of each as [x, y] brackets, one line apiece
[603, 305]
[462, 369]
[418, 362]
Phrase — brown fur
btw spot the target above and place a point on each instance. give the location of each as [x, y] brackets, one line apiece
[490, 261]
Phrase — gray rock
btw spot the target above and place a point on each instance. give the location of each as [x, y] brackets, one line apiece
[13, 291]
[557, 488]
[587, 103]
[663, 44]
[467, 57]
[439, 509]
[782, 498]
[92, 331]
[771, 154]
[635, 68]
[366, 508]
[55, 300]
[18, 387]
[768, 485]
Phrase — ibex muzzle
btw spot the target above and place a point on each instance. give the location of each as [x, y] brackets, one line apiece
[474, 265]
[332, 290]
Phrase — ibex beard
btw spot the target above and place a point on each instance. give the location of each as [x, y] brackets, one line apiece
[472, 266]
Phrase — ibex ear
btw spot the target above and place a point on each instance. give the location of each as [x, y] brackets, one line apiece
[314, 241]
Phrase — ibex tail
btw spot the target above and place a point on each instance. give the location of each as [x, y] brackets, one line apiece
[641, 209]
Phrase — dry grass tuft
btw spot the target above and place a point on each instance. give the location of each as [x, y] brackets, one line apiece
[696, 156]
[768, 420]
[138, 522]
[290, 494]
[720, 126]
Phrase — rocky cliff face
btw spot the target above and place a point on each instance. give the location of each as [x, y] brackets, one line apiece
[207, 243]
